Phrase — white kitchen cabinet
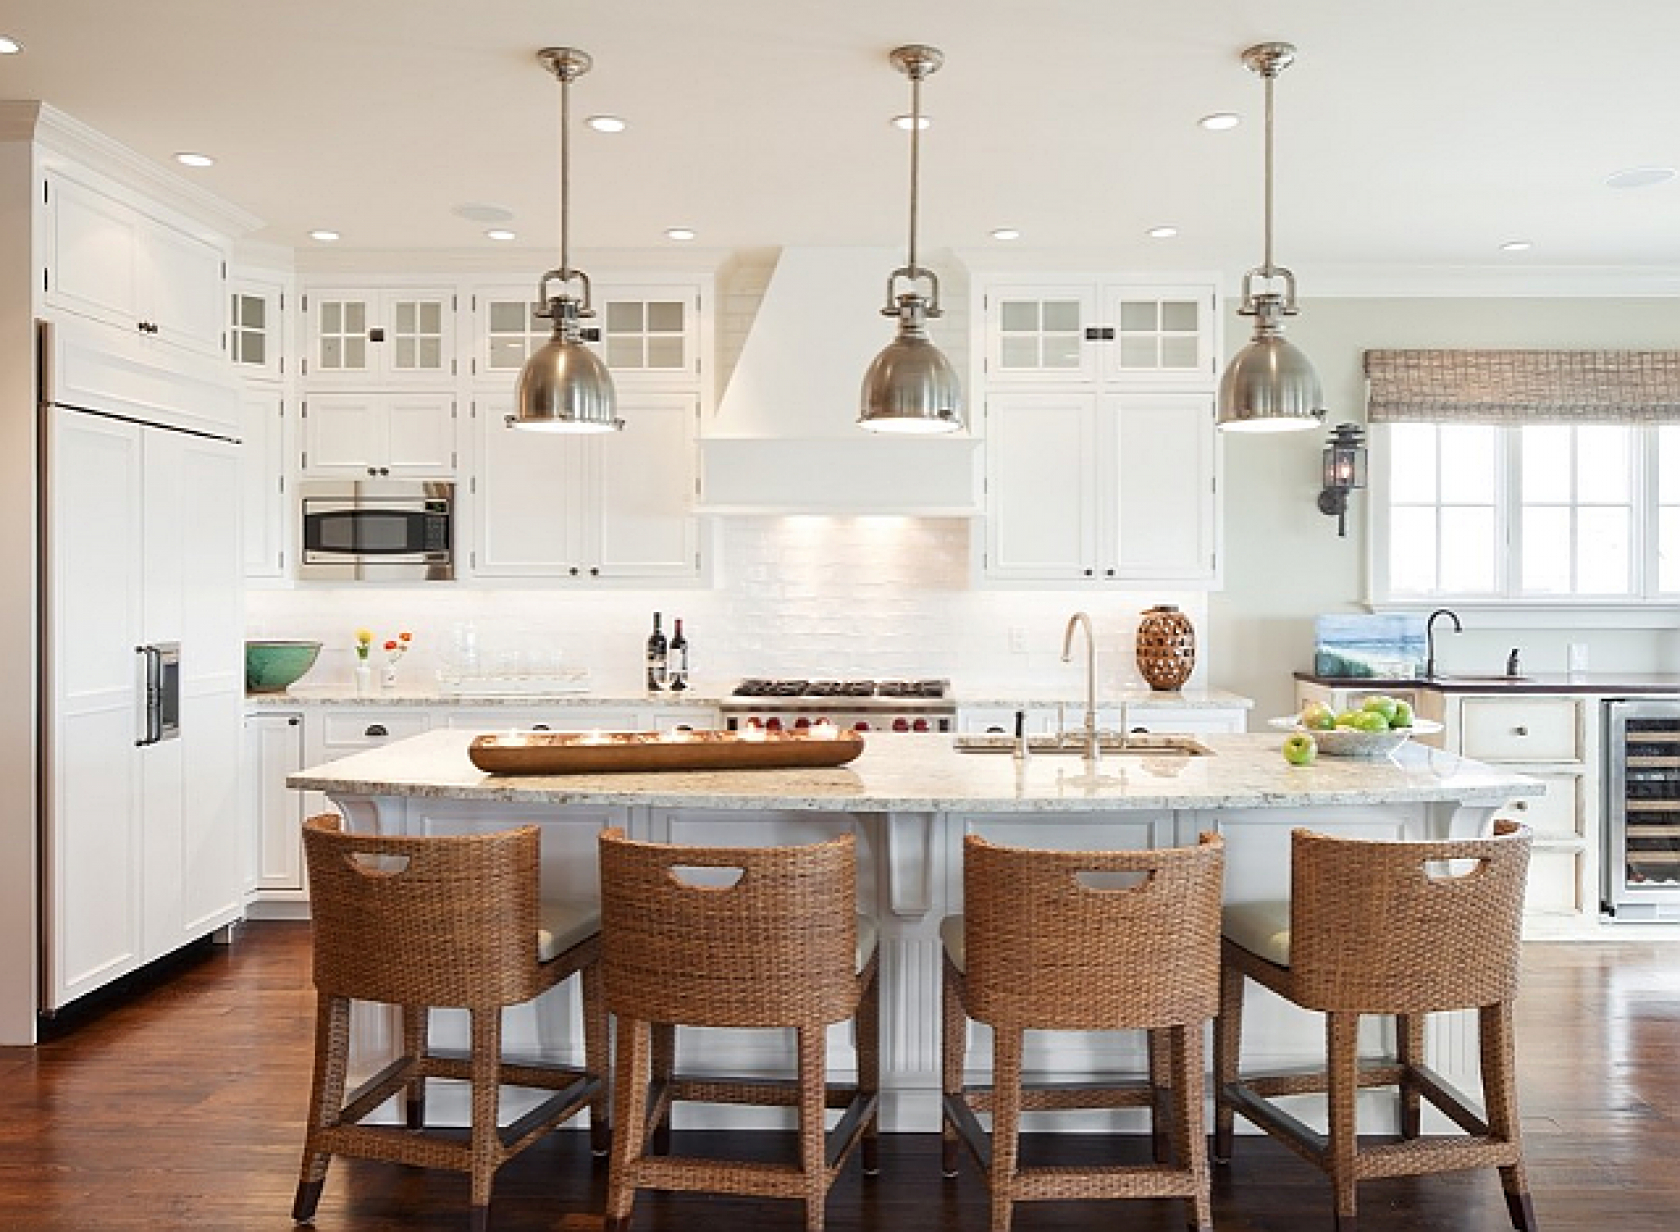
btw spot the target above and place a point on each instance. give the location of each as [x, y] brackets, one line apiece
[379, 338]
[540, 718]
[143, 846]
[263, 480]
[110, 259]
[616, 505]
[1101, 488]
[257, 328]
[648, 335]
[379, 435]
[1127, 333]
[273, 750]
[1142, 717]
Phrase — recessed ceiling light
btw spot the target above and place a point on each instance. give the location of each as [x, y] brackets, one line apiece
[1006, 233]
[1516, 246]
[323, 235]
[905, 122]
[607, 124]
[499, 233]
[1219, 121]
[9, 46]
[188, 159]
[1640, 177]
[1162, 233]
[679, 233]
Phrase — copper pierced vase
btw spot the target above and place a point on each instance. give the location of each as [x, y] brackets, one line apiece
[1166, 647]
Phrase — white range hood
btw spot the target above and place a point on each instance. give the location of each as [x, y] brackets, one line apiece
[785, 438]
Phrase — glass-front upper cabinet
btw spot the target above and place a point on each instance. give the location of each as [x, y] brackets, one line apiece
[394, 336]
[1160, 334]
[647, 335]
[1038, 334]
[256, 328]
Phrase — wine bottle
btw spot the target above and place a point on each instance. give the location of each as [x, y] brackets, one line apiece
[678, 661]
[658, 659]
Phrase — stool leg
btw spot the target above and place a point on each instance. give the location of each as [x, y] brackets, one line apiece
[813, 1104]
[1227, 1051]
[1410, 1029]
[326, 1099]
[1006, 1122]
[953, 1033]
[869, 1064]
[1188, 1120]
[1342, 1045]
[664, 1067]
[1499, 1089]
[597, 1055]
[486, 1098]
[1160, 1094]
[415, 1023]
[629, 1122]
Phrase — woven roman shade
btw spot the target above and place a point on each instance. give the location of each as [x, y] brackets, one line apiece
[1523, 387]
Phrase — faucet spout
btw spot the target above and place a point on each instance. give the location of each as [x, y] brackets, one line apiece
[1429, 638]
[1081, 620]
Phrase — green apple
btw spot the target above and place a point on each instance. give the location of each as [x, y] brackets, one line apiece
[1369, 721]
[1402, 716]
[1350, 718]
[1316, 716]
[1383, 705]
[1299, 749]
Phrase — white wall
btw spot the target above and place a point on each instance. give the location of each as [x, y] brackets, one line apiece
[1284, 564]
[882, 597]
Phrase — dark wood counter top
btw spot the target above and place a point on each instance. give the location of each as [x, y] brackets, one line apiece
[1606, 684]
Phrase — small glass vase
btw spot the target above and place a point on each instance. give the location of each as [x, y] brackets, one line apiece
[388, 675]
[364, 678]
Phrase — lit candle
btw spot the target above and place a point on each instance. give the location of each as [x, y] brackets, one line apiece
[822, 729]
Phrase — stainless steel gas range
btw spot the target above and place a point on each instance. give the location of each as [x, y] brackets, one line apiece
[861, 705]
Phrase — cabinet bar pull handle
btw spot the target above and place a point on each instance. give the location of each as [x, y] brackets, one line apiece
[376, 729]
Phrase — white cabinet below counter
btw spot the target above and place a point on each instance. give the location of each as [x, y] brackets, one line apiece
[1228, 713]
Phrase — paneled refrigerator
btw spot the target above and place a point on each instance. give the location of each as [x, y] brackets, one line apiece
[141, 694]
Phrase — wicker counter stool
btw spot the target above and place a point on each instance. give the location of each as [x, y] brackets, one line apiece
[1041, 946]
[1385, 928]
[440, 922]
[781, 947]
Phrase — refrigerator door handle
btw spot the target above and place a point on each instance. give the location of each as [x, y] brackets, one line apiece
[151, 700]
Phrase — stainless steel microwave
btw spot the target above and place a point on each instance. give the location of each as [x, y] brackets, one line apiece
[384, 530]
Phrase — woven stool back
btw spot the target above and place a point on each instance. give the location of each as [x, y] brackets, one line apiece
[775, 949]
[1046, 949]
[437, 921]
[1384, 928]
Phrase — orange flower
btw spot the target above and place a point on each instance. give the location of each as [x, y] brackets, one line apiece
[405, 637]
[390, 645]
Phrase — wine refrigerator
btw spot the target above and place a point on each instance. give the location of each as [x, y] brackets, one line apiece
[1642, 810]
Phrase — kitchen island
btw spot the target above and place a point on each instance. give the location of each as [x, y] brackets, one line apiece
[910, 799]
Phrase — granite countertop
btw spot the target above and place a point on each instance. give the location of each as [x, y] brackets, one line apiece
[913, 773]
[1607, 684]
[431, 695]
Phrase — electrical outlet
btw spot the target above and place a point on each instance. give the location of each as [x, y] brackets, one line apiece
[1017, 640]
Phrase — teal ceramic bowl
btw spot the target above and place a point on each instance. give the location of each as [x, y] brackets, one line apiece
[271, 666]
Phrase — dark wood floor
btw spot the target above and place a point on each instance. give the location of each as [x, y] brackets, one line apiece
[180, 1106]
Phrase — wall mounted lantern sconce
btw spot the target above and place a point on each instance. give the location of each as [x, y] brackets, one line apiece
[1345, 465]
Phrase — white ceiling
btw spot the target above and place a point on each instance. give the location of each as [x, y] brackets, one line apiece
[1426, 132]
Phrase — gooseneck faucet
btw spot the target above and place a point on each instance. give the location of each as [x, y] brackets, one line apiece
[1429, 638]
[1093, 745]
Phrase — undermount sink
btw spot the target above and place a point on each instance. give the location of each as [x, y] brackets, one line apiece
[1137, 744]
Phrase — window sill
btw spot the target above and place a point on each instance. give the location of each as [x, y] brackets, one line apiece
[1540, 614]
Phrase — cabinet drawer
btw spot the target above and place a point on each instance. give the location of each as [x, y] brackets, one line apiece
[1553, 815]
[1518, 729]
[364, 729]
[1554, 882]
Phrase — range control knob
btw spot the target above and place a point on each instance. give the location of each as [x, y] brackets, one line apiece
[902, 725]
[773, 724]
[920, 725]
[861, 725]
[801, 723]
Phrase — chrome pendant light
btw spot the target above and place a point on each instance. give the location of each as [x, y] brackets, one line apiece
[1270, 385]
[564, 386]
[911, 387]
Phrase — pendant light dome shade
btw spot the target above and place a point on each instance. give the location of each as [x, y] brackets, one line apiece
[1270, 385]
[911, 387]
[564, 386]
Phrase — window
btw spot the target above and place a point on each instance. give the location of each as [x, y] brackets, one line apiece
[1546, 512]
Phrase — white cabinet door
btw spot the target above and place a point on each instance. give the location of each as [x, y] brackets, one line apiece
[256, 329]
[1165, 486]
[262, 482]
[92, 840]
[647, 526]
[532, 492]
[1162, 334]
[378, 435]
[273, 750]
[184, 279]
[1036, 335]
[384, 337]
[1041, 486]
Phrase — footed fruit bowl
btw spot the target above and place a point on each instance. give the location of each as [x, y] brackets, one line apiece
[271, 666]
[1351, 742]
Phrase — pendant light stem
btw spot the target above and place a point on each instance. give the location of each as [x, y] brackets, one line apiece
[1270, 268]
[915, 162]
[566, 177]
